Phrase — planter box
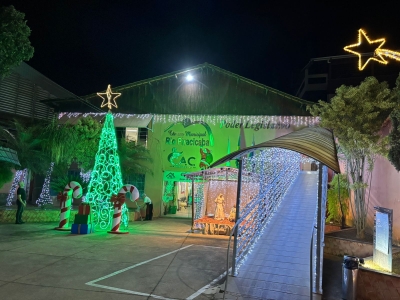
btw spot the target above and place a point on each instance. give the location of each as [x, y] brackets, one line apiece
[339, 246]
[375, 285]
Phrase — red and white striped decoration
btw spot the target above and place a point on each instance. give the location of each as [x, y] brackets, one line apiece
[71, 190]
[131, 189]
[76, 189]
[118, 201]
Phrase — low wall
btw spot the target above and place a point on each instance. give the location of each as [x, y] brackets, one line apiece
[38, 215]
[340, 247]
[374, 285]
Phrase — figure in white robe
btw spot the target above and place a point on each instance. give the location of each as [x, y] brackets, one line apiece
[219, 209]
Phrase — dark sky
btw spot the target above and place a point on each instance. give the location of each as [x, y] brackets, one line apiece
[84, 45]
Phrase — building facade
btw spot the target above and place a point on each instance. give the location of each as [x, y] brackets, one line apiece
[190, 118]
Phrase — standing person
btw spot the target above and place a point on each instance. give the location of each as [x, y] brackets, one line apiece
[149, 207]
[21, 202]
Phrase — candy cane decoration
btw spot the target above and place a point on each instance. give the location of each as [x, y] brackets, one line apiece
[119, 201]
[71, 190]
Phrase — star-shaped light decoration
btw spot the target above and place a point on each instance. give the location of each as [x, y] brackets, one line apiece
[110, 101]
[377, 53]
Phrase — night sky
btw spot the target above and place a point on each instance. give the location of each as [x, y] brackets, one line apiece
[85, 45]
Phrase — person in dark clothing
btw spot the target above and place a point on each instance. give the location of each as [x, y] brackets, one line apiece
[21, 203]
[149, 208]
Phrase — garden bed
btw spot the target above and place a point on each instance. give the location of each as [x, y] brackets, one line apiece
[345, 242]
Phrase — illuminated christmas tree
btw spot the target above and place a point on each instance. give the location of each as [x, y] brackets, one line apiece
[106, 179]
[44, 197]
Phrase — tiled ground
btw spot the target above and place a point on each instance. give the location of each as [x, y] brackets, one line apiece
[159, 259]
[278, 267]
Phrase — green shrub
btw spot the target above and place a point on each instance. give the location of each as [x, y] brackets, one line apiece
[338, 209]
[6, 175]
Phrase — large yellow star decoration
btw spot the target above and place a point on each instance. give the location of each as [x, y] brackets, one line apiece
[110, 101]
[378, 52]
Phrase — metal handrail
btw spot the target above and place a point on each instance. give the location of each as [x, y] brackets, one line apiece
[311, 262]
[227, 257]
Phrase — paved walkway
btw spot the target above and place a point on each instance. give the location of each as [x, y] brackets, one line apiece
[159, 259]
[278, 267]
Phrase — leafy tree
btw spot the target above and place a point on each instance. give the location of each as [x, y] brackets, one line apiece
[86, 142]
[356, 114]
[338, 196]
[394, 136]
[15, 46]
[394, 140]
[68, 143]
[134, 159]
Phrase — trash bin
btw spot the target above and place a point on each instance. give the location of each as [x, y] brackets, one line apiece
[349, 277]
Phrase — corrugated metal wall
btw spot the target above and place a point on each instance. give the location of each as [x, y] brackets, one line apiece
[21, 97]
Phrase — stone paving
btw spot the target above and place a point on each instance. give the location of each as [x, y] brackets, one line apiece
[159, 259]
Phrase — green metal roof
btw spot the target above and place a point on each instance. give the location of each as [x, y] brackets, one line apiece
[213, 91]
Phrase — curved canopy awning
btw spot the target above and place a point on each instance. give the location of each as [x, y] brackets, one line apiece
[316, 142]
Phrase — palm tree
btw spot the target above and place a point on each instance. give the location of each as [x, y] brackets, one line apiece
[29, 144]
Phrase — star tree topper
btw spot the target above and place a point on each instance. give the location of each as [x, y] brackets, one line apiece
[110, 98]
[379, 53]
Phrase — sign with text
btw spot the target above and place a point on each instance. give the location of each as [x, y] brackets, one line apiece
[382, 232]
[382, 255]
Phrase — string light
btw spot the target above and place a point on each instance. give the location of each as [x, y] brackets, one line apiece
[265, 122]
[266, 177]
[111, 97]
[85, 176]
[277, 169]
[106, 179]
[44, 197]
[389, 53]
[378, 52]
[199, 200]
[318, 266]
[14, 185]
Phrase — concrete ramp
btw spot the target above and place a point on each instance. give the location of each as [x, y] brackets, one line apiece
[279, 265]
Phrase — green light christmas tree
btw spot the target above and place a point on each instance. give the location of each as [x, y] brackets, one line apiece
[106, 178]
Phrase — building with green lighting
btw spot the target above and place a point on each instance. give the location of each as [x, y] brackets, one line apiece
[189, 119]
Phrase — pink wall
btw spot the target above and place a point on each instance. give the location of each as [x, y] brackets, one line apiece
[385, 192]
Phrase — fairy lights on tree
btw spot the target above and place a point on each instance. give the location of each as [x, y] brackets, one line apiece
[106, 178]
[19, 176]
[44, 197]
